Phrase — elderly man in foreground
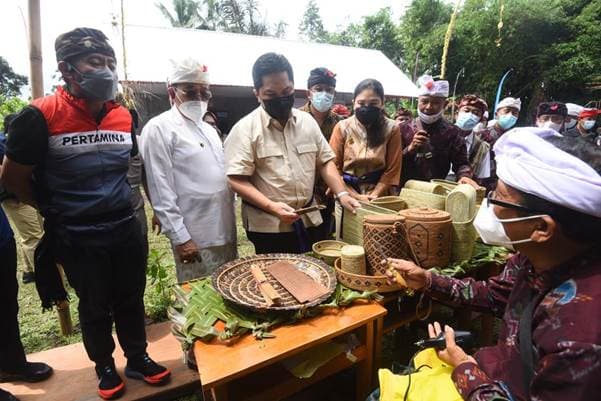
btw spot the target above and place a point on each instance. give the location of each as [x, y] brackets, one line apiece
[547, 206]
[185, 169]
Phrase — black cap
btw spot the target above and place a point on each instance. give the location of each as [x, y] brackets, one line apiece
[81, 41]
[556, 108]
[321, 75]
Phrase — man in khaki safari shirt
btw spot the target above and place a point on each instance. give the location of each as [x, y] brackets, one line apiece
[272, 157]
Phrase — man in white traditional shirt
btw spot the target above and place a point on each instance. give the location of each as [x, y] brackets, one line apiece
[185, 170]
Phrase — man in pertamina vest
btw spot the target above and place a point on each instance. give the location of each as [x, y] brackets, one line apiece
[67, 155]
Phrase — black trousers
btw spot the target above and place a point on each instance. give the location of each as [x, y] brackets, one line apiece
[108, 272]
[327, 228]
[280, 242]
[12, 355]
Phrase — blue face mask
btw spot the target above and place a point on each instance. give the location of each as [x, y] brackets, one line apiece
[507, 121]
[322, 101]
[588, 124]
[467, 121]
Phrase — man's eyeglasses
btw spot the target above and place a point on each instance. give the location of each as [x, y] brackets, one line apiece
[195, 94]
[492, 201]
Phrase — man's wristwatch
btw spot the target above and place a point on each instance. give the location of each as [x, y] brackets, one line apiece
[341, 194]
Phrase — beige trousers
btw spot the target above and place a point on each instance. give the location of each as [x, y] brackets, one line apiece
[28, 225]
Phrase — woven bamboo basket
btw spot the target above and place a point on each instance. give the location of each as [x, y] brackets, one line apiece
[385, 237]
[461, 203]
[364, 283]
[430, 235]
[328, 250]
[463, 242]
[415, 199]
[349, 227]
[450, 185]
[353, 259]
[395, 203]
[425, 186]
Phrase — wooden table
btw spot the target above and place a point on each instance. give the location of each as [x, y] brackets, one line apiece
[251, 369]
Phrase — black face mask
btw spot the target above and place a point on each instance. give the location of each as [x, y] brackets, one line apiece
[279, 107]
[367, 115]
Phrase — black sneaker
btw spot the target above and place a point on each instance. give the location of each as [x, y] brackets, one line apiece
[146, 369]
[28, 277]
[32, 372]
[110, 384]
[6, 396]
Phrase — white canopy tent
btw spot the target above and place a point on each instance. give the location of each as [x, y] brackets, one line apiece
[230, 58]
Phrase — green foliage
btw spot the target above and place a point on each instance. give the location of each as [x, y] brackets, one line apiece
[9, 105]
[311, 27]
[377, 31]
[10, 82]
[422, 32]
[553, 46]
[160, 279]
[238, 16]
[186, 13]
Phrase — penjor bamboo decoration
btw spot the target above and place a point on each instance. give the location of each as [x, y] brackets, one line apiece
[447, 40]
[500, 24]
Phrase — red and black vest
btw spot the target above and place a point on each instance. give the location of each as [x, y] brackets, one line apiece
[84, 174]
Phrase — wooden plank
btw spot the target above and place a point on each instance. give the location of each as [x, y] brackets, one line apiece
[299, 284]
[74, 378]
[248, 355]
[274, 382]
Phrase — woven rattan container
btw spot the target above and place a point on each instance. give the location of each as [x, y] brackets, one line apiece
[426, 186]
[395, 203]
[352, 259]
[361, 282]
[430, 235]
[385, 236]
[461, 203]
[349, 226]
[415, 199]
[450, 185]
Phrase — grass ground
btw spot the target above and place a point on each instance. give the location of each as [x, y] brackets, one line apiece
[40, 330]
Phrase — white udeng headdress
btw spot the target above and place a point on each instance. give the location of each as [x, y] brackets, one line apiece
[529, 163]
[188, 71]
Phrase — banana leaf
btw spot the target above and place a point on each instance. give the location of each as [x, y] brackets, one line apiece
[196, 312]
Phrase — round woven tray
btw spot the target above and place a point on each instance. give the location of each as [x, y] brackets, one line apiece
[236, 284]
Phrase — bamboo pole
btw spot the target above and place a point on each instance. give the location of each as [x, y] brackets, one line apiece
[35, 49]
[447, 40]
[63, 309]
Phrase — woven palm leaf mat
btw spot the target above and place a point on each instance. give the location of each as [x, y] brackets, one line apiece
[235, 282]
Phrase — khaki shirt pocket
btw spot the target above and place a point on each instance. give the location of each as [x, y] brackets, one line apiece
[307, 154]
[271, 162]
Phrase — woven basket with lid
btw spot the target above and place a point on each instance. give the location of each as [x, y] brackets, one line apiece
[385, 236]
[430, 235]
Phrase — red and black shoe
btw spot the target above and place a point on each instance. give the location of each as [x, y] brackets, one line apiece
[110, 384]
[144, 368]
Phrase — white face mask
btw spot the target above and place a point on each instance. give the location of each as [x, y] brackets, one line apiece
[193, 110]
[550, 125]
[491, 230]
[429, 119]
